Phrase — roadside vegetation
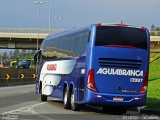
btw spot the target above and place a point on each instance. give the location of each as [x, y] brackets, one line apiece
[155, 31]
[153, 98]
[10, 58]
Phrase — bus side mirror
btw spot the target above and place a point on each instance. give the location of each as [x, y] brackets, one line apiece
[37, 57]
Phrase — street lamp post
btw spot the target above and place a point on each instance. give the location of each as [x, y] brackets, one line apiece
[49, 17]
[38, 3]
[58, 22]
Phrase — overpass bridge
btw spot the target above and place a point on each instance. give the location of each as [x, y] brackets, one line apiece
[31, 38]
[23, 38]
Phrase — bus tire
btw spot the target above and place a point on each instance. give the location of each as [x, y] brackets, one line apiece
[74, 106]
[66, 99]
[43, 97]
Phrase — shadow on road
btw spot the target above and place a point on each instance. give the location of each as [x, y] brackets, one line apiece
[89, 109]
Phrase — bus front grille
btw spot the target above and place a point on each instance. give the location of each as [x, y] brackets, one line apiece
[119, 63]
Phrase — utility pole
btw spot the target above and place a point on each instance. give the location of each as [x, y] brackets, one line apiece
[38, 3]
[49, 17]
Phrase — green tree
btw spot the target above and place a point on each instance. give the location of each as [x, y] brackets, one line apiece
[153, 27]
[5, 56]
[16, 53]
[23, 51]
[33, 52]
[158, 29]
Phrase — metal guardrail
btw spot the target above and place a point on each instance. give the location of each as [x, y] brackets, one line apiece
[12, 76]
[29, 30]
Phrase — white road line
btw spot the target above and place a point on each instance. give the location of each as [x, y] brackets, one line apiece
[23, 108]
[42, 116]
[25, 92]
[28, 109]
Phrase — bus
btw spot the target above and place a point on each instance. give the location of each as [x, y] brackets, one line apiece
[103, 65]
[24, 64]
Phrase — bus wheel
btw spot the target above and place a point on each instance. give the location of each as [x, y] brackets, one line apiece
[66, 99]
[43, 97]
[74, 106]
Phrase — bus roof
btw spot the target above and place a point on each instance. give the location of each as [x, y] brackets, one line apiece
[69, 31]
[74, 29]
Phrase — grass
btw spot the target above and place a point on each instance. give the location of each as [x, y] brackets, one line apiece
[154, 57]
[153, 95]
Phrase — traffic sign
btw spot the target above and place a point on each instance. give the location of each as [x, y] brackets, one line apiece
[34, 75]
[7, 76]
[22, 76]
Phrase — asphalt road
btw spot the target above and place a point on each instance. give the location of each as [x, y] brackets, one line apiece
[21, 102]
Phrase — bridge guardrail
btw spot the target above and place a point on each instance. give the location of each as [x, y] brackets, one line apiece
[29, 30]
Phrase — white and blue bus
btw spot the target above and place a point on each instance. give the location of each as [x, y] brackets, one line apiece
[101, 65]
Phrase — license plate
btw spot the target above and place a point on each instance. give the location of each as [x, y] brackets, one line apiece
[118, 98]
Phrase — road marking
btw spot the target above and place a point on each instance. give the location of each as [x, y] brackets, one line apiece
[28, 109]
[25, 92]
[42, 116]
[23, 108]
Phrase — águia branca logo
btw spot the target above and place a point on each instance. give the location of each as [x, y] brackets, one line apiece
[120, 72]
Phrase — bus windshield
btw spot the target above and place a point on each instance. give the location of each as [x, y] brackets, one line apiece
[121, 36]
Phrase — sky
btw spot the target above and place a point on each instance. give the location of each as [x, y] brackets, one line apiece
[76, 13]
